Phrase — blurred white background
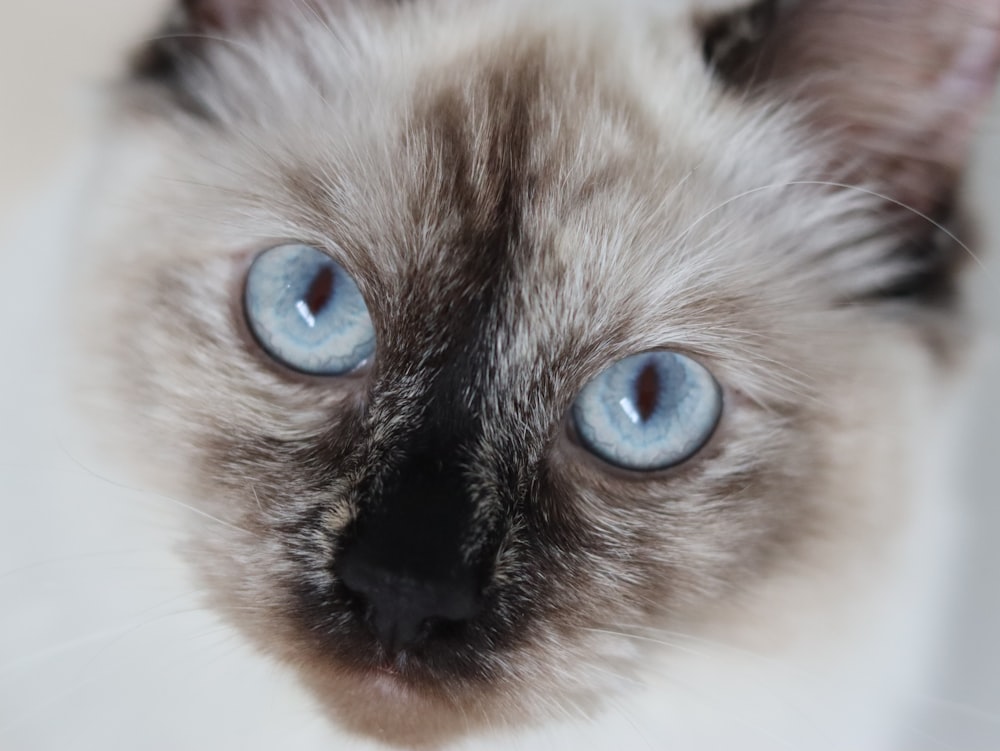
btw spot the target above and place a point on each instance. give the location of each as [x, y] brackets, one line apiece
[52, 58]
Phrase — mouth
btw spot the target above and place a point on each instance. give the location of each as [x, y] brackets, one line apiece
[388, 702]
[394, 670]
[389, 686]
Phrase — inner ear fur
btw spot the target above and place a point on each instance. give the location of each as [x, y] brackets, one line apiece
[900, 85]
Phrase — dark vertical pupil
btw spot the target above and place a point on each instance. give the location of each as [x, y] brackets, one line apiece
[320, 290]
[647, 391]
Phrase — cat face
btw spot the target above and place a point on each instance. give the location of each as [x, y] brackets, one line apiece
[524, 198]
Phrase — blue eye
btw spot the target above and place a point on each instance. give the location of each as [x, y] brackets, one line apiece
[306, 312]
[649, 411]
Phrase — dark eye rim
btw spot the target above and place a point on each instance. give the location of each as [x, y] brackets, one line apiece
[702, 453]
[252, 345]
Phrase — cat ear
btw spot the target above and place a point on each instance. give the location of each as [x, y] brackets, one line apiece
[901, 85]
[181, 43]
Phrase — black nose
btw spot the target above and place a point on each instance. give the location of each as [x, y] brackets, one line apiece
[402, 608]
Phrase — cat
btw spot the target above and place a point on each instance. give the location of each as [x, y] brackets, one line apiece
[550, 376]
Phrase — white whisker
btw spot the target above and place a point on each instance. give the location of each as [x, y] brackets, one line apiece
[151, 494]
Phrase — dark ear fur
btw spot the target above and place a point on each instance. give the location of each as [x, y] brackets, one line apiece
[901, 84]
[191, 26]
[731, 41]
[221, 14]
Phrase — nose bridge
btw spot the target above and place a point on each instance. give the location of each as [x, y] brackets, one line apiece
[414, 519]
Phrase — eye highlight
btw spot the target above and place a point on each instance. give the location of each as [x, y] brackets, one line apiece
[648, 412]
[306, 312]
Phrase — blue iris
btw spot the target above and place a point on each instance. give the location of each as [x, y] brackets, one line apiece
[649, 411]
[306, 312]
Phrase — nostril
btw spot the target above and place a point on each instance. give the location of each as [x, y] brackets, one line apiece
[402, 610]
